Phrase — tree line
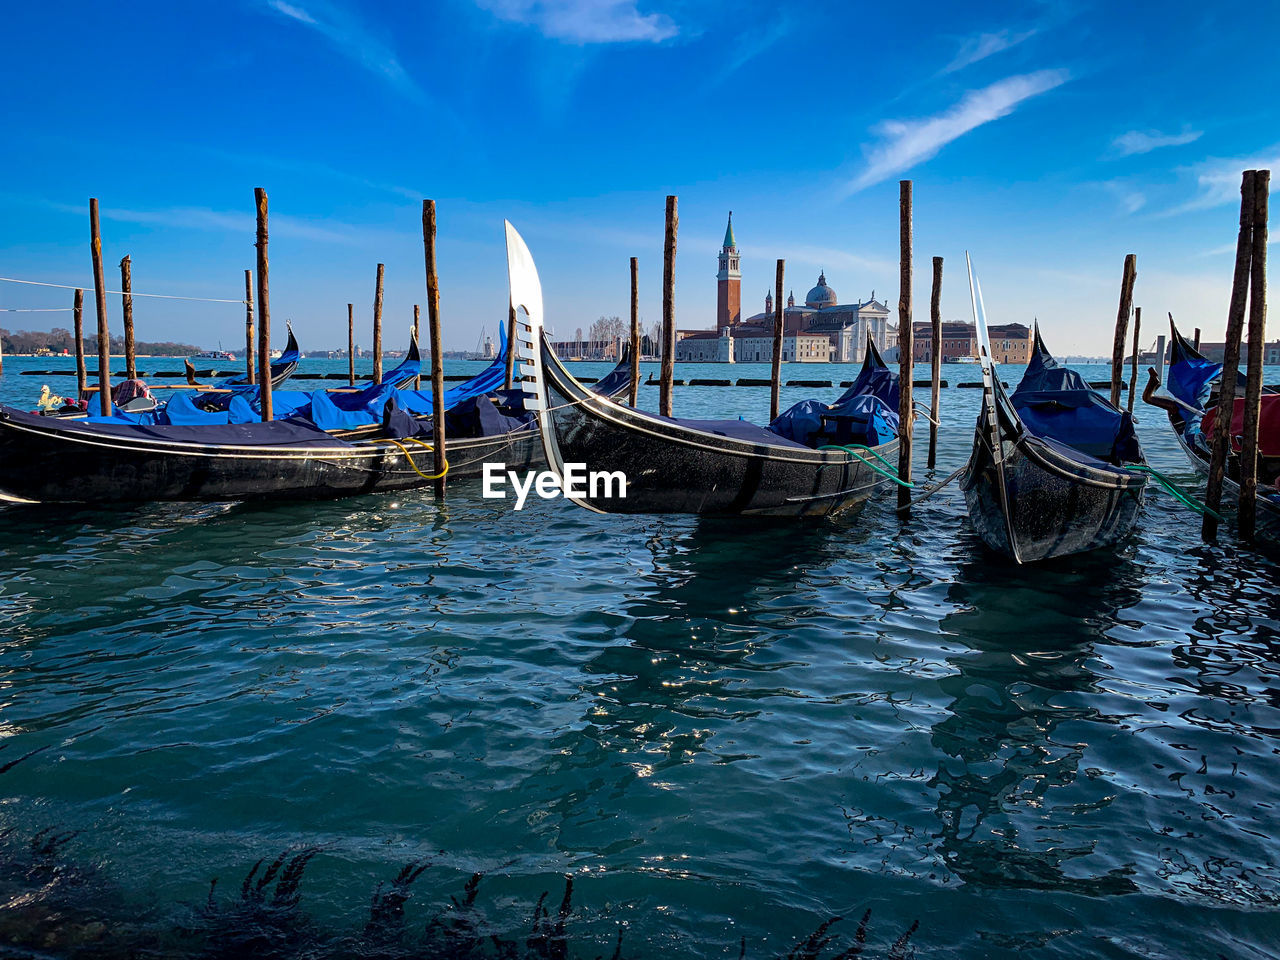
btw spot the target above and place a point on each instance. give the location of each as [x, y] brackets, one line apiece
[59, 339]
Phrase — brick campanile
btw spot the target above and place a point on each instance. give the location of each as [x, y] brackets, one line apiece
[728, 282]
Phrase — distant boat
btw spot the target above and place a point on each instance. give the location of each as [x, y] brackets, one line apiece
[218, 354]
[961, 360]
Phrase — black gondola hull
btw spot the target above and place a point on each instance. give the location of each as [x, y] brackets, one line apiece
[674, 469]
[1040, 503]
[43, 462]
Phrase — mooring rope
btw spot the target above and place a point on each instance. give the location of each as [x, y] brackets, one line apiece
[1179, 494]
[930, 491]
[157, 296]
[849, 449]
[409, 457]
[36, 309]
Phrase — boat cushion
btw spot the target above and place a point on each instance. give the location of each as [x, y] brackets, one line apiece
[1268, 424]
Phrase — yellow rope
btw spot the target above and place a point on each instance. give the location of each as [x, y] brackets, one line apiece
[408, 456]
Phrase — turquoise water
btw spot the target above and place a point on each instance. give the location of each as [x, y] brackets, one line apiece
[723, 731]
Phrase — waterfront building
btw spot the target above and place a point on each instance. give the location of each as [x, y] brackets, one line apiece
[845, 327]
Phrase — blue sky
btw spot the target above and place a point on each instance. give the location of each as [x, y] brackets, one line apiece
[1048, 139]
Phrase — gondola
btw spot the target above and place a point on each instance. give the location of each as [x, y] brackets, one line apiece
[1055, 468]
[281, 369]
[716, 467]
[326, 452]
[1191, 415]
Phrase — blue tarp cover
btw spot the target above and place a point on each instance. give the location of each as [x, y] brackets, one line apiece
[1058, 404]
[276, 433]
[869, 407]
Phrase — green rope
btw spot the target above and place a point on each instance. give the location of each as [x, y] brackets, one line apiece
[1182, 496]
[890, 473]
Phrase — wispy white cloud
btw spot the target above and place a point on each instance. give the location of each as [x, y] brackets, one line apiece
[353, 39]
[984, 45]
[751, 45]
[1218, 180]
[585, 21]
[1131, 199]
[904, 143]
[1144, 141]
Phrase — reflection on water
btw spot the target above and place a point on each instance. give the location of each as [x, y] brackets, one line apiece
[720, 729]
[1013, 804]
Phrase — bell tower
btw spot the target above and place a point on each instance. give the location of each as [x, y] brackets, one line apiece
[728, 282]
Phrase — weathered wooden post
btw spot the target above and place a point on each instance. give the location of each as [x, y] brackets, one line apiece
[1122, 325]
[1133, 363]
[905, 345]
[377, 326]
[1248, 509]
[351, 344]
[77, 314]
[250, 368]
[775, 371]
[1221, 439]
[126, 301]
[1195, 341]
[668, 308]
[935, 359]
[417, 318]
[437, 348]
[264, 307]
[635, 332]
[100, 302]
[509, 375]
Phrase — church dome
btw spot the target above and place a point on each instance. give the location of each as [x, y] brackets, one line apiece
[821, 295]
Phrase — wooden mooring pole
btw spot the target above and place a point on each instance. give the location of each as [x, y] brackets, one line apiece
[377, 326]
[264, 307]
[1133, 363]
[775, 371]
[417, 336]
[437, 348]
[1221, 439]
[351, 344]
[509, 373]
[1248, 508]
[77, 315]
[635, 332]
[935, 359]
[126, 301]
[1195, 339]
[1122, 326]
[250, 371]
[668, 308]
[904, 345]
[100, 303]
